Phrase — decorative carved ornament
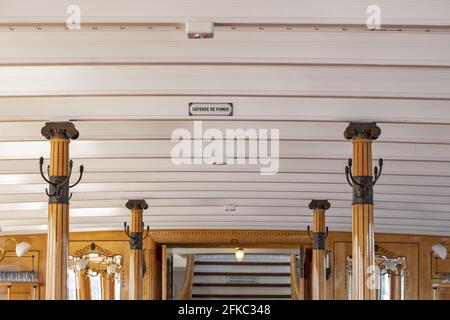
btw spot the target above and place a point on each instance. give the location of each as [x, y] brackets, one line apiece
[248, 237]
[92, 248]
[58, 191]
[319, 205]
[64, 130]
[362, 130]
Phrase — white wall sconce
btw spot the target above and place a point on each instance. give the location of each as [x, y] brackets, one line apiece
[440, 250]
[21, 248]
[82, 264]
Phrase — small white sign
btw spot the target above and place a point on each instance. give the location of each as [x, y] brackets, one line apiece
[210, 109]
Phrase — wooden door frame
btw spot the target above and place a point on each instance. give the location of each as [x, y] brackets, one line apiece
[230, 238]
[223, 238]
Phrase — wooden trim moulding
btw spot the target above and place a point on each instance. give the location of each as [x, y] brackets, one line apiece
[231, 237]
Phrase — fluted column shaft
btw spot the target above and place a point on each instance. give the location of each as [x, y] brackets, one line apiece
[59, 134]
[363, 245]
[319, 249]
[136, 272]
[136, 259]
[108, 286]
[83, 285]
[153, 270]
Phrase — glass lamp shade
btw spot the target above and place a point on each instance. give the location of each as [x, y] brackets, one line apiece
[111, 269]
[22, 248]
[82, 264]
[239, 254]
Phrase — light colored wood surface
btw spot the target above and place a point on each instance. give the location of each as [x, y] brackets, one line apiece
[185, 292]
[164, 293]
[363, 252]
[83, 285]
[296, 291]
[136, 259]
[416, 248]
[19, 290]
[108, 286]
[152, 270]
[58, 226]
[318, 259]
[230, 237]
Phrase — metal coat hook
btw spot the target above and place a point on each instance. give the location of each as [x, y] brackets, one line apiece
[351, 180]
[136, 238]
[363, 185]
[59, 185]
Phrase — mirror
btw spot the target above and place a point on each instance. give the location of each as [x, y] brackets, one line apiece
[95, 273]
[392, 278]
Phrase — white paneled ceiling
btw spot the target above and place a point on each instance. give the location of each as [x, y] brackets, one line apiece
[306, 68]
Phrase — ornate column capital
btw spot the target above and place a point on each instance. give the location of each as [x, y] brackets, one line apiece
[136, 204]
[65, 130]
[319, 205]
[362, 130]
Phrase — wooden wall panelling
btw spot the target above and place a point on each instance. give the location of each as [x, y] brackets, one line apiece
[214, 237]
[417, 248]
[338, 283]
[338, 242]
[439, 266]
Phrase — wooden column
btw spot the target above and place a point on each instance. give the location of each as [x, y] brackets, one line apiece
[319, 251]
[302, 282]
[396, 284]
[108, 286]
[59, 134]
[83, 285]
[164, 293]
[35, 292]
[153, 270]
[8, 293]
[135, 232]
[361, 179]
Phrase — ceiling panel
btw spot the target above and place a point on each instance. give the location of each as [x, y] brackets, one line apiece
[306, 68]
[116, 107]
[139, 44]
[253, 80]
[432, 12]
[288, 130]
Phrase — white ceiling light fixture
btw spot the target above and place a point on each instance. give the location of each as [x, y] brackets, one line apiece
[239, 254]
[200, 29]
